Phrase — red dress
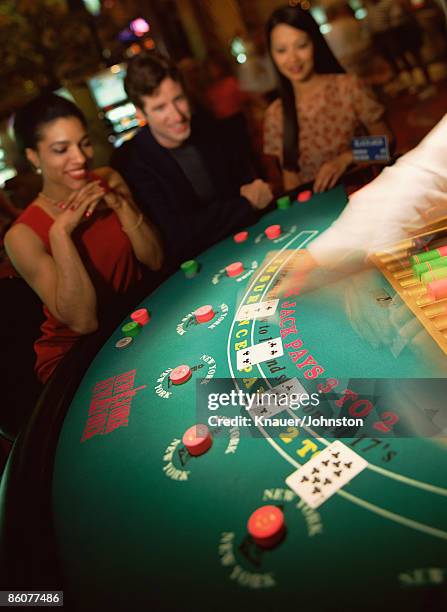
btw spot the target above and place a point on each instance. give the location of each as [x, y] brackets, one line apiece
[108, 257]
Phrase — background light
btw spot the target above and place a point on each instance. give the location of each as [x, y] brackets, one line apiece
[139, 26]
[93, 6]
[237, 46]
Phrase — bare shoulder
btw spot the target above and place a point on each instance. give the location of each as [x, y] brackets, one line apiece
[24, 248]
[19, 234]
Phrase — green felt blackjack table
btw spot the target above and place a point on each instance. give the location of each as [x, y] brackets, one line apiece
[139, 523]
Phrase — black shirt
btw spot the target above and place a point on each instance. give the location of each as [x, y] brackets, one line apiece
[189, 159]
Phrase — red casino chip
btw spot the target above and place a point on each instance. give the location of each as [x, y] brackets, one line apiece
[204, 314]
[304, 196]
[180, 374]
[140, 316]
[266, 526]
[273, 231]
[197, 439]
[240, 237]
[234, 269]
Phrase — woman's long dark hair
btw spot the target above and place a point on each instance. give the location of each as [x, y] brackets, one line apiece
[324, 63]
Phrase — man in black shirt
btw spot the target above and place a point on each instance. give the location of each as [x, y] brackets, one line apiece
[183, 170]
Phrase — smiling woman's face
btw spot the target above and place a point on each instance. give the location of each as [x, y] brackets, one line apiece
[293, 52]
[63, 153]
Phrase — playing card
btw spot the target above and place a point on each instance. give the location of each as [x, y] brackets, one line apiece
[270, 349]
[267, 308]
[257, 311]
[247, 312]
[268, 407]
[275, 400]
[290, 386]
[326, 473]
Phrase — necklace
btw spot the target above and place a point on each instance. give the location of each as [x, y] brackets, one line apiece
[48, 199]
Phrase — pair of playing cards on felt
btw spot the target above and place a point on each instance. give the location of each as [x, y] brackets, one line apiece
[264, 351]
[261, 310]
[326, 473]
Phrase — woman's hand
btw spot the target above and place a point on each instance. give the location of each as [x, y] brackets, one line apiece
[117, 194]
[115, 199]
[79, 204]
[142, 234]
[331, 171]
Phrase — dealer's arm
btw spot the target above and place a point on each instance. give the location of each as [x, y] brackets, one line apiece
[408, 194]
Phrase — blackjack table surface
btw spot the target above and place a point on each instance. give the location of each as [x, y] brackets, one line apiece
[138, 522]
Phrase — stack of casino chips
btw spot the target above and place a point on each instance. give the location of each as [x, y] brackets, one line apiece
[430, 268]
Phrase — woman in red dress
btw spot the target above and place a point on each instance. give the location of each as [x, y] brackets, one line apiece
[83, 239]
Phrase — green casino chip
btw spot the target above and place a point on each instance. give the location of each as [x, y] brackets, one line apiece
[427, 266]
[190, 268]
[131, 329]
[283, 202]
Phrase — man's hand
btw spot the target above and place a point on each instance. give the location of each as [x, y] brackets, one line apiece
[258, 193]
[331, 171]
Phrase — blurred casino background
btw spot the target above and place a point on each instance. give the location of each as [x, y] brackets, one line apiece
[79, 48]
